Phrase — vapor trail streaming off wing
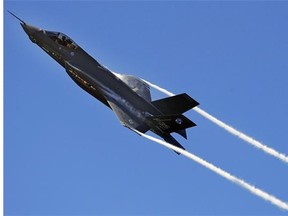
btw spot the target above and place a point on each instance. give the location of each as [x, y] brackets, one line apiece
[256, 191]
[230, 129]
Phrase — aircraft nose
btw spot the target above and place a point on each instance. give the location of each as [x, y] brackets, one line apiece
[30, 30]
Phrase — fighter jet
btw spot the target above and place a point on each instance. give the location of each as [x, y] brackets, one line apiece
[129, 97]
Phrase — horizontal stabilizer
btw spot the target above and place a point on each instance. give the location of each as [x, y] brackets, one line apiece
[177, 104]
[172, 123]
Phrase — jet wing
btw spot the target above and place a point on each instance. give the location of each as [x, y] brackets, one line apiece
[126, 120]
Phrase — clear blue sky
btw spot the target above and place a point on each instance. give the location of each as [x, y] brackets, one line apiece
[65, 153]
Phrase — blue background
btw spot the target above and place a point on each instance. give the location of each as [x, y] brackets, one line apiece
[65, 153]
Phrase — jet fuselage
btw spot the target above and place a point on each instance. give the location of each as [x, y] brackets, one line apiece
[129, 97]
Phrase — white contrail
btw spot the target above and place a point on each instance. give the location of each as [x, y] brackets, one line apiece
[242, 136]
[256, 191]
[230, 129]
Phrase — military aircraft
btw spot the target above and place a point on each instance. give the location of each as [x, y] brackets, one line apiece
[128, 96]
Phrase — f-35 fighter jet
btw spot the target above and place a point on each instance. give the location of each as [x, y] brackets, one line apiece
[128, 96]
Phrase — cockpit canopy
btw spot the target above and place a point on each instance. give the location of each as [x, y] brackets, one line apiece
[62, 39]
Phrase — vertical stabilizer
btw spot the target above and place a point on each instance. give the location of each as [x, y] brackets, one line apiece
[174, 142]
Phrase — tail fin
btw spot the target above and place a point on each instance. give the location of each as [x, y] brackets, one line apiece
[172, 123]
[174, 142]
[177, 104]
[182, 133]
